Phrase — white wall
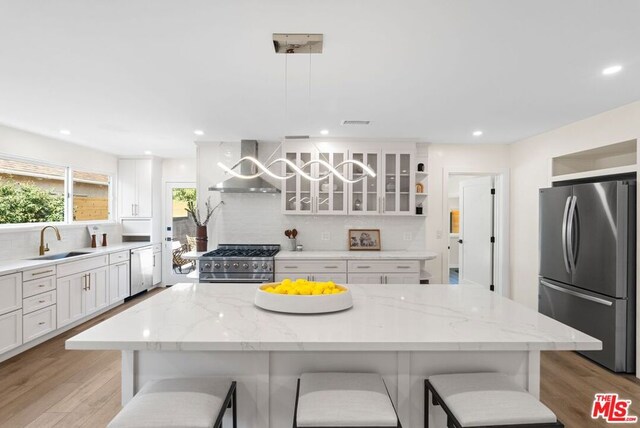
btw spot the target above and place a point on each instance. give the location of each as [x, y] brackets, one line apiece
[257, 218]
[531, 170]
[451, 158]
[22, 242]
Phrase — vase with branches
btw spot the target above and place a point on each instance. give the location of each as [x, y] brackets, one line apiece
[202, 221]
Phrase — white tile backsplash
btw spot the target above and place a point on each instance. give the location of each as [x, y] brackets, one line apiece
[253, 218]
[21, 244]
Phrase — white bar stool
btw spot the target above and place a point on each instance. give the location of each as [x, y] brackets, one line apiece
[486, 400]
[181, 402]
[355, 400]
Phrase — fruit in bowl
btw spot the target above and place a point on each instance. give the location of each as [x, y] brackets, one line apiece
[301, 296]
[303, 287]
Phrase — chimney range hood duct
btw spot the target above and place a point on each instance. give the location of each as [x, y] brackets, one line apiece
[241, 185]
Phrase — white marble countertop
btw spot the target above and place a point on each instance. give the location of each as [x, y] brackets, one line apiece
[222, 317]
[357, 255]
[12, 266]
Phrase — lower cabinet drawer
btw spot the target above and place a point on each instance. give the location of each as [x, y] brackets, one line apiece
[384, 266]
[37, 286]
[118, 257]
[38, 323]
[320, 266]
[39, 301]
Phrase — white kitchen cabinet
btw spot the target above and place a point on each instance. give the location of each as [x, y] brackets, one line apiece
[70, 298]
[398, 182]
[365, 195]
[97, 290]
[402, 278]
[135, 192]
[10, 330]
[10, 293]
[38, 323]
[325, 197]
[365, 278]
[118, 282]
[157, 267]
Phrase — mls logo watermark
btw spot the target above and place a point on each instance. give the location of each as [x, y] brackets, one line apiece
[612, 409]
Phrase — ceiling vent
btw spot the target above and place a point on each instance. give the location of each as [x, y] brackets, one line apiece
[355, 122]
[296, 137]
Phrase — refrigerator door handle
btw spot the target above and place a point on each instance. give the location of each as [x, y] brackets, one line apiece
[572, 214]
[576, 294]
[564, 234]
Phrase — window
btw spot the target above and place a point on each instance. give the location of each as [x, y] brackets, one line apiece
[34, 192]
[90, 196]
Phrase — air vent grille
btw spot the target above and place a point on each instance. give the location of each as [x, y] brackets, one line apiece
[356, 122]
[296, 137]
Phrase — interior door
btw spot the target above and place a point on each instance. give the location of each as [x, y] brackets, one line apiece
[554, 209]
[476, 231]
[179, 232]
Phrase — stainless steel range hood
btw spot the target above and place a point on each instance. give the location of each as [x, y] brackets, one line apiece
[241, 185]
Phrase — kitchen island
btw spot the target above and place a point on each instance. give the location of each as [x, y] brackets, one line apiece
[403, 332]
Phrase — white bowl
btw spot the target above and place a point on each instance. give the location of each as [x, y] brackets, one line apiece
[298, 304]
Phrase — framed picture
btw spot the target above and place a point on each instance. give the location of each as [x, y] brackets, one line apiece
[364, 239]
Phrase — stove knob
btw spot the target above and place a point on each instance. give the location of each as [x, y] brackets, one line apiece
[216, 265]
[245, 265]
[236, 265]
[226, 265]
[264, 265]
[207, 265]
[255, 265]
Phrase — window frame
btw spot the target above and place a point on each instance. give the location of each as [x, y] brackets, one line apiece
[68, 197]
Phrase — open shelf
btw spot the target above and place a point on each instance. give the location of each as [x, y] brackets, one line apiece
[619, 158]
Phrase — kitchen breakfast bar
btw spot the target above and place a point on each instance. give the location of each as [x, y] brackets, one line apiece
[403, 332]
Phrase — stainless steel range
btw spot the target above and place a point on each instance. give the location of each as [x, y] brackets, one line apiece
[239, 263]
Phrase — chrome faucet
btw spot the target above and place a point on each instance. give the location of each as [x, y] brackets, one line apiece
[45, 247]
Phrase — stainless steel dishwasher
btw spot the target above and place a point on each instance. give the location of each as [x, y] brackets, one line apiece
[141, 269]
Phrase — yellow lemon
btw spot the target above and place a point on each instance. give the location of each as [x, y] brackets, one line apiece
[286, 281]
[269, 289]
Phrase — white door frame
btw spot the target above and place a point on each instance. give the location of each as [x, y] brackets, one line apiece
[501, 262]
[167, 262]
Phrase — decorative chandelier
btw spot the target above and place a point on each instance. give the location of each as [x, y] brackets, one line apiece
[288, 44]
[299, 170]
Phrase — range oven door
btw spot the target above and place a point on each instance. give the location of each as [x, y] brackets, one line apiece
[244, 278]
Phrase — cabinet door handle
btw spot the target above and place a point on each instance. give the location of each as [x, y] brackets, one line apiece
[291, 267]
[381, 279]
[41, 323]
[41, 285]
[403, 267]
[44, 272]
[83, 282]
[154, 260]
[331, 267]
[41, 301]
[363, 267]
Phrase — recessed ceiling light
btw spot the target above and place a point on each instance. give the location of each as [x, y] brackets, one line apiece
[65, 132]
[612, 70]
[147, 152]
[198, 132]
[477, 133]
[325, 132]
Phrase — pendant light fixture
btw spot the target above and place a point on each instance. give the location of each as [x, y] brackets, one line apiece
[291, 44]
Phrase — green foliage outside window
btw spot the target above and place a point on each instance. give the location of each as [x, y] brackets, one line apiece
[184, 195]
[27, 203]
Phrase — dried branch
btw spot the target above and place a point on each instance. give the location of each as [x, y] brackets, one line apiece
[194, 212]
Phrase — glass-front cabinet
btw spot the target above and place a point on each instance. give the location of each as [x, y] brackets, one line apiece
[399, 184]
[325, 197]
[365, 194]
[390, 192]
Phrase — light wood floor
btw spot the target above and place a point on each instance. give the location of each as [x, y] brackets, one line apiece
[49, 386]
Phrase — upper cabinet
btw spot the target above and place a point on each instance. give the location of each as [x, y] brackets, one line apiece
[391, 192]
[135, 188]
[325, 197]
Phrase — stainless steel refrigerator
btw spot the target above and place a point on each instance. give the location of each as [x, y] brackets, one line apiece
[587, 265]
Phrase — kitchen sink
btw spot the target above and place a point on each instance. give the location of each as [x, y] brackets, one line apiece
[60, 256]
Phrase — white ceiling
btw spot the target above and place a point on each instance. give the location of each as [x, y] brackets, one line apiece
[130, 75]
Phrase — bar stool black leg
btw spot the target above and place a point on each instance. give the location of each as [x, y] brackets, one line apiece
[234, 410]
